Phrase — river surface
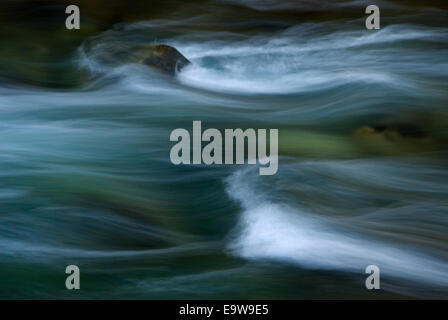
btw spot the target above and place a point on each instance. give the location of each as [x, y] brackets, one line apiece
[86, 177]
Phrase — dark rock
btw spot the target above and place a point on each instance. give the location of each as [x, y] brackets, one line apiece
[161, 57]
[396, 139]
[404, 130]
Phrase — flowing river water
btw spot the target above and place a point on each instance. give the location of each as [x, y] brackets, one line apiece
[86, 177]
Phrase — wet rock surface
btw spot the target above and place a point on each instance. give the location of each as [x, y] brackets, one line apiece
[162, 58]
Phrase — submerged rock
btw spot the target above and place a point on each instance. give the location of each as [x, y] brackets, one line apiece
[396, 139]
[161, 57]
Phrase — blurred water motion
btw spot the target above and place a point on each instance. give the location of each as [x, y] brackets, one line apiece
[86, 179]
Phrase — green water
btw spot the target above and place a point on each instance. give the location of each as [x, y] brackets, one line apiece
[86, 178]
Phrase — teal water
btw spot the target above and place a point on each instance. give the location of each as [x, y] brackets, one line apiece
[86, 178]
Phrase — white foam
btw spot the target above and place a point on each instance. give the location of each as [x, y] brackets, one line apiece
[303, 59]
[278, 232]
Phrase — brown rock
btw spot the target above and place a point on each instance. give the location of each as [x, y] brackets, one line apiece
[161, 57]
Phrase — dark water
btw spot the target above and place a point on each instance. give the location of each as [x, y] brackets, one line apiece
[86, 178]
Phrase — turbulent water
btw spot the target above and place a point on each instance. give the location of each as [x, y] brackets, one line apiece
[86, 178]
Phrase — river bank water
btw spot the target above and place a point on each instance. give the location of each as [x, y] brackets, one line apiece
[86, 176]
